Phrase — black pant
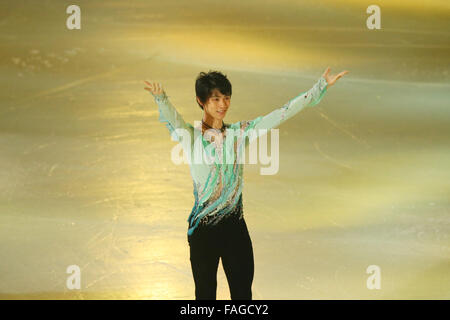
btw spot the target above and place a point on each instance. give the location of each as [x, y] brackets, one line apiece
[228, 240]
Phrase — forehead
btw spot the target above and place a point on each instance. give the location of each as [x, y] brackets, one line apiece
[217, 93]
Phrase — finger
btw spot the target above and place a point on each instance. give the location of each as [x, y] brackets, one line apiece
[340, 75]
[150, 86]
[327, 71]
[337, 77]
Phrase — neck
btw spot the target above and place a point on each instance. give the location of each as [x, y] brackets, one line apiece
[212, 122]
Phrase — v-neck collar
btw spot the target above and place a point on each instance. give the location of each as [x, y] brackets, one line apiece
[207, 142]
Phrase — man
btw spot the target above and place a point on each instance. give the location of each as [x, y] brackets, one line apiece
[217, 228]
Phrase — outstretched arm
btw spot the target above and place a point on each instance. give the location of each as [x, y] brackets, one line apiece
[309, 98]
[167, 112]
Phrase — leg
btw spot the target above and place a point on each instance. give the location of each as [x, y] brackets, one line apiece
[204, 262]
[237, 261]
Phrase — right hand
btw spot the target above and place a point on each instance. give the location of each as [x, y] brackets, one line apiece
[154, 88]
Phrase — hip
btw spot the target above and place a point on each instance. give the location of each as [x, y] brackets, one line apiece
[233, 226]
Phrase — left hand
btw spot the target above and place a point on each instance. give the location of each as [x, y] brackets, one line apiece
[331, 79]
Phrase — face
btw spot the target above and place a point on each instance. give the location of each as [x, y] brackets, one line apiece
[217, 105]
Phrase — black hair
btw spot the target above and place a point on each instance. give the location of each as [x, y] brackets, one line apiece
[207, 82]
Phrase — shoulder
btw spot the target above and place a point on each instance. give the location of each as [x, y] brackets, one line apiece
[242, 124]
[234, 125]
[246, 125]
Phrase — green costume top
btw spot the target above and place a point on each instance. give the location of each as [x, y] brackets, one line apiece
[216, 166]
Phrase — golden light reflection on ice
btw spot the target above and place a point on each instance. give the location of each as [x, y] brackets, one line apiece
[86, 176]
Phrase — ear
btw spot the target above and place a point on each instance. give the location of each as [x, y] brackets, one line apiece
[198, 100]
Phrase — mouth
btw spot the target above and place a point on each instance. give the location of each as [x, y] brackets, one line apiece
[221, 112]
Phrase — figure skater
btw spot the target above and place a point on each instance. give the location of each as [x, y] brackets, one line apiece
[216, 225]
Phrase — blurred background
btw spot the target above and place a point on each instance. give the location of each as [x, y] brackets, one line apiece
[85, 172]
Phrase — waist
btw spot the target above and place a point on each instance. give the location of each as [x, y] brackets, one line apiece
[228, 224]
[221, 218]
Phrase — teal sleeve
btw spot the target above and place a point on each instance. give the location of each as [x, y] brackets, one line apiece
[170, 116]
[272, 120]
